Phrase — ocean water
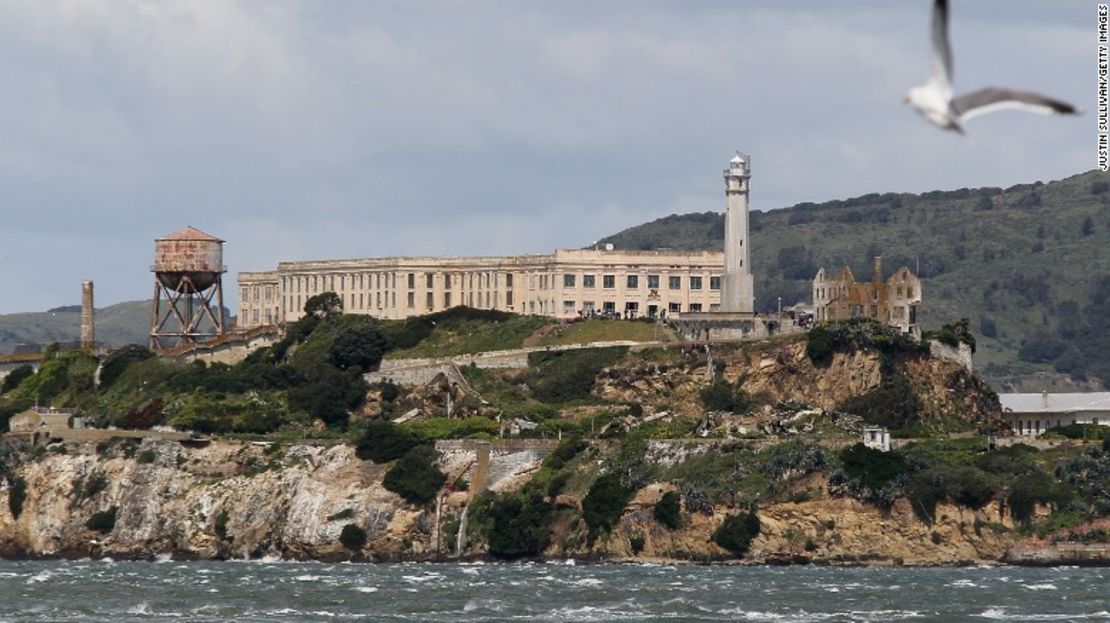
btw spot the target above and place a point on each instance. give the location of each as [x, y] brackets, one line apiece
[285, 591]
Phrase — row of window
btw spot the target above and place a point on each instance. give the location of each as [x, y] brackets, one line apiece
[590, 307]
[632, 282]
[1033, 427]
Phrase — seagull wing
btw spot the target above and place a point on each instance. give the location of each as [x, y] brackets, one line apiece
[942, 49]
[991, 99]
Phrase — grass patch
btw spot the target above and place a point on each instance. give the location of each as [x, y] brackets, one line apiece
[597, 330]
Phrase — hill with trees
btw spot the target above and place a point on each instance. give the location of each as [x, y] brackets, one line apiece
[1028, 265]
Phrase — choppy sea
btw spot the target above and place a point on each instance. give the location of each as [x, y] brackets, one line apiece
[103, 590]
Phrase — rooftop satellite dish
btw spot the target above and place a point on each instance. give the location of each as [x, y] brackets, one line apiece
[608, 246]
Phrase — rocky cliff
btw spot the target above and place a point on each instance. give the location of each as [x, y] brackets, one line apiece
[230, 499]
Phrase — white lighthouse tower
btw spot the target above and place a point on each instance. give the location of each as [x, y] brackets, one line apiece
[737, 295]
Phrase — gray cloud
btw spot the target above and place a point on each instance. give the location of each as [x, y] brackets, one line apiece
[327, 129]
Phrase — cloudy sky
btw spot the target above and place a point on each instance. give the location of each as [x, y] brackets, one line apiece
[333, 129]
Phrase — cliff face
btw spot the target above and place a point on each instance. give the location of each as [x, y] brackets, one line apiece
[825, 531]
[232, 500]
[775, 373]
[225, 500]
[240, 500]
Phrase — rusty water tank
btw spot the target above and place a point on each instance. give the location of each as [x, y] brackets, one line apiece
[188, 253]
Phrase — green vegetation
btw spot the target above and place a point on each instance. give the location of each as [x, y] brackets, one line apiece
[352, 537]
[17, 494]
[415, 476]
[382, 442]
[603, 505]
[458, 331]
[565, 376]
[1081, 431]
[346, 513]
[737, 532]
[102, 521]
[721, 395]
[668, 510]
[515, 525]
[220, 525]
[145, 457]
[598, 330]
[15, 377]
[973, 248]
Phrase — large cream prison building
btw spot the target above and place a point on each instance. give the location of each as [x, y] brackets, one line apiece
[563, 285]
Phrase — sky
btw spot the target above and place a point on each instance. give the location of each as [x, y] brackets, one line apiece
[332, 129]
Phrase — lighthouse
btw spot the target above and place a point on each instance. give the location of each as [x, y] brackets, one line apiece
[737, 294]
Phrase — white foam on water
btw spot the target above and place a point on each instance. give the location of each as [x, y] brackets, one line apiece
[495, 605]
[366, 589]
[588, 582]
[163, 558]
[1047, 586]
[41, 576]
[962, 584]
[308, 578]
[141, 608]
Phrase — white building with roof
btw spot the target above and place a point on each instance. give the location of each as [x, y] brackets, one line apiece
[1033, 414]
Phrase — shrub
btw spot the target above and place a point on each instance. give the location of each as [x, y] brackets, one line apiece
[360, 346]
[382, 442]
[563, 376]
[102, 521]
[94, 485]
[118, 361]
[146, 457]
[415, 476]
[17, 494]
[604, 503]
[819, 346]
[723, 396]
[564, 453]
[1028, 491]
[346, 513]
[873, 468]
[220, 525]
[15, 377]
[737, 532]
[352, 537]
[668, 510]
[955, 333]
[517, 526]
[636, 542]
[893, 404]
[1082, 431]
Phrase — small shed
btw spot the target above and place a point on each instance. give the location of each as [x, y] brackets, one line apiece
[877, 437]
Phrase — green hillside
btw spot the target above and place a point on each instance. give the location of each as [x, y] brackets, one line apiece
[1027, 264]
[116, 325]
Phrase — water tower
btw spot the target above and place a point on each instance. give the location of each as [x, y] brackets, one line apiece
[188, 289]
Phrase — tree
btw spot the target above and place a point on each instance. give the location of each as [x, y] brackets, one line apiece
[1088, 226]
[737, 532]
[15, 377]
[353, 537]
[668, 510]
[118, 361]
[415, 476]
[382, 442]
[323, 305]
[360, 346]
[604, 503]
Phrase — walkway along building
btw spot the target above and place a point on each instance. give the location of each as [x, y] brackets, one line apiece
[564, 284]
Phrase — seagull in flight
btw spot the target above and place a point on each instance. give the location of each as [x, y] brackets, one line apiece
[934, 101]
